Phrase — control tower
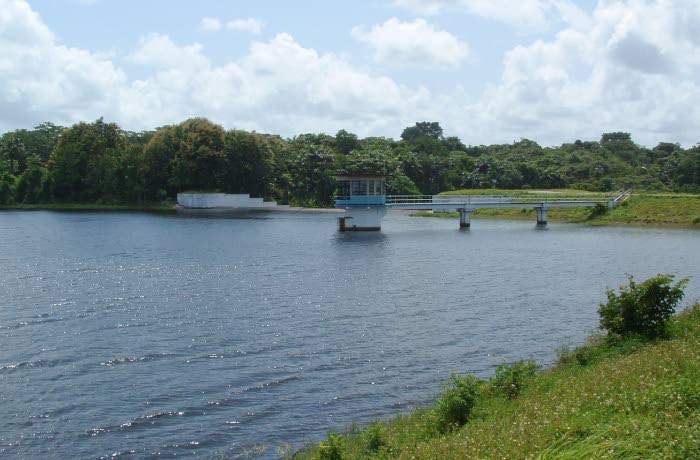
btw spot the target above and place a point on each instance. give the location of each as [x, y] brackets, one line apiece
[364, 201]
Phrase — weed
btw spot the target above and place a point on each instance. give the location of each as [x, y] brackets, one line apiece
[510, 379]
[458, 399]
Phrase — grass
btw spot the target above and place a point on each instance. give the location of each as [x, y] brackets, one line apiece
[624, 399]
[641, 209]
[166, 206]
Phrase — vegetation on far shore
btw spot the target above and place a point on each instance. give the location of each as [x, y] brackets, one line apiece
[641, 209]
[100, 163]
[633, 392]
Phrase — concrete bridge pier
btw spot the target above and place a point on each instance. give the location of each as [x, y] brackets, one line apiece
[465, 217]
[542, 215]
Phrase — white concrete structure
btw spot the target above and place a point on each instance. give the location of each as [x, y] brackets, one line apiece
[362, 219]
[223, 201]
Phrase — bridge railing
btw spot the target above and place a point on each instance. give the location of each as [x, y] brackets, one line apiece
[525, 198]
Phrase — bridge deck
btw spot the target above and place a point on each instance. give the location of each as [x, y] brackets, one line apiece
[443, 202]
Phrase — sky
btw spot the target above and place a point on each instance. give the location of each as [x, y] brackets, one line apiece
[489, 71]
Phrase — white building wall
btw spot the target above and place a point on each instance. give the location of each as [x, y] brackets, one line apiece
[221, 200]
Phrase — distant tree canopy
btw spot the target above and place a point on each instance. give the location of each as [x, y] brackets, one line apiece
[422, 129]
[99, 162]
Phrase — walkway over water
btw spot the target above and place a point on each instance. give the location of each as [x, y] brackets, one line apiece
[365, 203]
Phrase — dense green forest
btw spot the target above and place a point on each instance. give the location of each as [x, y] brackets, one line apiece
[101, 163]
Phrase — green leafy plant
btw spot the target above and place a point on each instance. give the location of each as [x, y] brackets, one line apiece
[642, 308]
[375, 438]
[330, 449]
[509, 379]
[600, 209]
[459, 397]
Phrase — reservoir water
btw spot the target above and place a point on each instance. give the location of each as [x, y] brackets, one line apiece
[141, 335]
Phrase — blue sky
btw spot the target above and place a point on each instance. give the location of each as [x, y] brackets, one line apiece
[489, 71]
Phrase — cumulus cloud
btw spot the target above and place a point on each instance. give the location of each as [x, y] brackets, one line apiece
[278, 86]
[415, 43]
[42, 80]
[523, 14]
[246, 25]
[627, 66]
[630, 66]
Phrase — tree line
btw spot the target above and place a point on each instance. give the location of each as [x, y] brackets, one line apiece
[99, 162]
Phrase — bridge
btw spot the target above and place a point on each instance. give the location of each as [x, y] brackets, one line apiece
[365, 203]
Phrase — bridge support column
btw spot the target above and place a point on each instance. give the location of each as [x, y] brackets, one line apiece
[465, 217]
[542, 216]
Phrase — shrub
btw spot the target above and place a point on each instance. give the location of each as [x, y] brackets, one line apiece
[642, 308]
[510, 379]
[375, 438]
[457, 402]
[600, 209]
[330, 449]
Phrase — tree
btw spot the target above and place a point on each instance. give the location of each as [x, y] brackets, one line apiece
[453, 143]
[32, 184]
[615, 137]
[346, 142]
[158, 161]
[311, 169]
[12, 150]
[82, 163]
[200, 155]
[248, 164]
[422, 129]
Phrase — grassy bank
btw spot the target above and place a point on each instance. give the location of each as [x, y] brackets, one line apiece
[165, 206]
[626, 399]
[652, 209]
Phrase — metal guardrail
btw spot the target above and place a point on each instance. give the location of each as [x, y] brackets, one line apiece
[390, 200]
[482, 199]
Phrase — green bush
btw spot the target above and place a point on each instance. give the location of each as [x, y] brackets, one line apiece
[455, 406]
[600, 209]
[642, 308]
[375, 438]
[330, 449]
[510, 379]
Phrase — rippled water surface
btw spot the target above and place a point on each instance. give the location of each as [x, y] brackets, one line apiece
[162, 335]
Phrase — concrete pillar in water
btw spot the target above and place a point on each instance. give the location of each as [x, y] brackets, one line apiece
[542, 215]
[465, 216]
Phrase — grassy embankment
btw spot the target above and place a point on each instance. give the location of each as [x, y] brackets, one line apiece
[641, 209]
[166, 206]
[625, 400]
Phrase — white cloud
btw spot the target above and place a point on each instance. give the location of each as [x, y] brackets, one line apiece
[246, 25]
[41, 80]
[415, 43]
[522, 14]
[279, 86]
[210, 24]
[426, 7]
[630, 66]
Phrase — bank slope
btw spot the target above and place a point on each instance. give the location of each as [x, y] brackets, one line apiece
[631, 400]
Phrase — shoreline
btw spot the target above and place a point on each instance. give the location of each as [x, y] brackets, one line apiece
[635, 213]
[75, 207]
